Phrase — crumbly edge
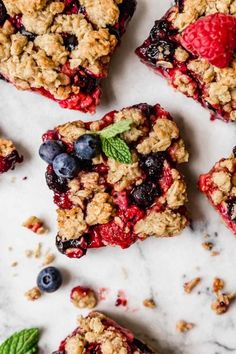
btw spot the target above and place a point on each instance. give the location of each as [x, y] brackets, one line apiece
[6, 147]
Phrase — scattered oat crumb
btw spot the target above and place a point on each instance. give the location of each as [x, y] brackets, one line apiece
[183, 326]
[49, 258]
[222, 303]
[33, 294]
[150, 303]
[208, 245]
[83, 297]
[215, 253]
[24, 178]
[10, 248]
[37, 251]
[35, 224]
[14, 264]
[218, 285]
[190, 285]
[29, 253]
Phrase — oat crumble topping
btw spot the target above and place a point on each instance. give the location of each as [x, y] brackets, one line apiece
[36, 225]
[6, 147]
[218, 285]
[83, 298]
[150, 303]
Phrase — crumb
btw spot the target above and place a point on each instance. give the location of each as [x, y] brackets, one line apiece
[33, 294]
[36, 225]
[222, 303]
[13, 179]
[29, 253]
[24, 178]
[150, 303]
[10, 248]
[37, 251]
[49, 258]
[215, 253]
[190, 285]
[208, 245]
[218, 285]
[121, 299]
[14, 264]
[83, 297]
[183, 326]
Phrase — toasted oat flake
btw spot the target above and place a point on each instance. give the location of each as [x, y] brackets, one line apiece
[49, 258]
[222, 303]
[208, 245]
[218, 285]
[150, 303]
[14, 264]
[33, 294]
[183, 326]
[190, 285]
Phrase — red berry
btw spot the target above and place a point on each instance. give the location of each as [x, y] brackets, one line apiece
[213, 38]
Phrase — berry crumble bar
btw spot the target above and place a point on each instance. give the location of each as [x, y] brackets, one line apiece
[61, 49]
[219, 185]
[193, 46]
[9, 156]
[115, 180]
[99, 334]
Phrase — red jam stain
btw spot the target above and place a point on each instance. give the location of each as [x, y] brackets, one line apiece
[102, 294]
[121, 299]
[62, 200]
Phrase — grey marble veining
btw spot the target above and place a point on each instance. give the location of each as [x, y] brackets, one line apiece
[156, 267]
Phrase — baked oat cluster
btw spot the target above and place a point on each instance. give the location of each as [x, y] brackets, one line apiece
[9, 156]
[99, 334]
[61, 49]
[104, 201]
[183, 45]
[219, 185]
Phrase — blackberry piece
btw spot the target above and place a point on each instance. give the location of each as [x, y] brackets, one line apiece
[153, 164]
[180, 4]
[70, 41]
[234, 151]
[55, 183]
[147, 109]
[144, 194]
[159, 30]
[162, 51]
[86, 84]
[79, 244]
[3, 13]
[231, 203]
[30, 36]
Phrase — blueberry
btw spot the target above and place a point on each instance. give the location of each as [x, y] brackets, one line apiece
[87, 146]
[3, 13]
[87, 84]
[49, 279]
[70, 42]
[144, 194]
[153, 164]
[50, 149]
[31, 36]
[65, 165]
[161, 51]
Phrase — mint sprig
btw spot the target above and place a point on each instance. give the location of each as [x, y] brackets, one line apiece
[23, 342]
[116, 149]
[114, 129]
[112, 145]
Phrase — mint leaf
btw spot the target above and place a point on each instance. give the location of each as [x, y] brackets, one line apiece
[114, 129]
[117, 149]
[24, 342]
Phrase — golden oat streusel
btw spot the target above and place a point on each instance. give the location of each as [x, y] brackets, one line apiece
[105, 201]
[61, 49]
[100, 334]
[188, 69]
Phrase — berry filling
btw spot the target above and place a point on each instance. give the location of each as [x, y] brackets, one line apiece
[196, 54]
[72, 31]
[113, 178]
[8, 162]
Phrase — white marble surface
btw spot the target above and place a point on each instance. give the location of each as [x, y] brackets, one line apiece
[152, 268]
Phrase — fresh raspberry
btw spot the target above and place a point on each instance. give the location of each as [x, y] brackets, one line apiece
[213, 38]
